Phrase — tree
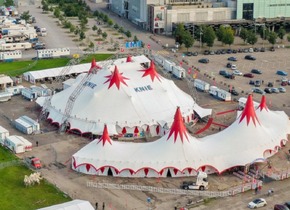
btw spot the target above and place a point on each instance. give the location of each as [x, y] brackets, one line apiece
[281, 33]
[228, 37]
[72, 28]
[82, 35]
[251, 37]
[25, 16]
[105, 18]
[9, 3]
[56, 12]
[220, 33]
[209, 36]
[91, 45]
[128, 34]
[94, 28]
[116, 26]
[96, 13]
[179, 33]
[272, 37]
[45, 7]
[264, 32]
[104, 35]
[135, 39]
[77, 30]
[121, 29]
[187, 39]
[244, 34]
[288, 38]
[99, 32]
[116, 45]
[110, 22]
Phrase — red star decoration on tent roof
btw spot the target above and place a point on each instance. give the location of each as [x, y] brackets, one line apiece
[129, 59]
[249, 112]
[151, 71]
[116, 78]
[94, 66]
[178, 127]
[105, 137]
[263, 104]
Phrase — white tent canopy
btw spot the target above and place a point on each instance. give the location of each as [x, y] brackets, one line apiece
[71, 205]
[246, 141]
[127, 95]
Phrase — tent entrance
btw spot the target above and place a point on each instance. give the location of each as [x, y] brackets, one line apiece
[110, 172]
[168, 173]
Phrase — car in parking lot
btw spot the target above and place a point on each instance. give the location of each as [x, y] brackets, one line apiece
[275, 90]
[252, 82]
[229, 65]
[257, 83]
[287, 204]
[282, 73]
[280, 207]
[282, 89]
[206, 52]
[229, 76]
[234, 67]
[233, 92]
[258, 90]
[195, 53]
[249, 75]
[283, 83]
[203, 60]
[251, 50]
[189, 53]
[256, 71]
[262, 49]
[268, 90]
[250, 57]
[256, 203]
[232, 59]
[223, 72]
[270, 84]
[237, 72]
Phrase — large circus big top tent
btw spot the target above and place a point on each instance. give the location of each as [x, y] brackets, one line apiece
[127, 97]
[254, 136]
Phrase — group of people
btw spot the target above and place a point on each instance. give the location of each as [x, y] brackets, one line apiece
[97, 205]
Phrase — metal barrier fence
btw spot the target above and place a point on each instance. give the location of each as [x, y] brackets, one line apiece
[210, 194]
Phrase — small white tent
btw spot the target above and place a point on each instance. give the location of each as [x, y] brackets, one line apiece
[71, 205]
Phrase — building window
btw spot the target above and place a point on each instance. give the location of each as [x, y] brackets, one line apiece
[248, 11]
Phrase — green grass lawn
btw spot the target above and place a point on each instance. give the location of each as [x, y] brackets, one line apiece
[6, 155]
[19, 67]
[14, 195]
[1, 2]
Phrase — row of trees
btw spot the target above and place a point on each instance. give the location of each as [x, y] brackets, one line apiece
[224, 34]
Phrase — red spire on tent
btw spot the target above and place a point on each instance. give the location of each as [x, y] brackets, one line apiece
[151, 71]
[94, 66]
[124, 130]
[129, 59]
[116, 78]
[178, 127]
[105, 137]
[249, 111]
[136, 130]
[263, 104]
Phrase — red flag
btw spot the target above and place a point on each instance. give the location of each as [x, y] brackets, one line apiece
[122, 49]
[189, 70]
[230, 88]
[180, 63]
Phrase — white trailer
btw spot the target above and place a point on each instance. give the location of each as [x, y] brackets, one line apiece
[15, 90]
[35, 125]
[159, 59]
[168, 66]
[14, 144]
[23, 126]
[27, 144]
[4, 133]
[220, 94]
[15, 46]
[41, 91]
[17, 54]
[29, 94]
[201, 85]
[53, 53]
[5, 96]
[178, 72]
[242, 102]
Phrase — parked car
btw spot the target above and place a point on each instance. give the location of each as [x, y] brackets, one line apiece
[282, 89]
[284, 83]
[280, 207]
[229, 65]
[252, 82]
[234, 67]
[256, 71]
[189, 53]
[257, 49]
[257, 83]
[229, 76]
[249, 75]
[270, 84]
[229, 51]
[195, 53]
[234, 92]
[206, 52]
[268, 90]
[282, 73]
[275, 90]
[251, 50]
[272, 49]
[218, 52]
[259, 202]
[212, 52]
[237, 72]
[232, 59]
[250, 57]
[235, 51]
[223, 52]
[258, 90]
[203, 60]
[262, 49]
[223, 72]
[287, 204]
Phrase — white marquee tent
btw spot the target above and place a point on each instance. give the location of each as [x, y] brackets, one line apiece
[71, 205]
[128, 98]
[249, 139]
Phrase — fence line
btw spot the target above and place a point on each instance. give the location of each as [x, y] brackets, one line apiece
[10, 163]
[211, 194]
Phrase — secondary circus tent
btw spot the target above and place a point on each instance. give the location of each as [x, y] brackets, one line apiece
[124, 96]
[71, 205]
[178, 154]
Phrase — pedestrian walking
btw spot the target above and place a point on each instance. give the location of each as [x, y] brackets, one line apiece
[36, 143]
[97, 204]
[103, 205]
[256, 190]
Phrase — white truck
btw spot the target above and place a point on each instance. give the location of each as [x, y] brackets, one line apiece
[178, 72]
[168, 66]
[159, 59]
[53, 53]
[220, 94]
[200, 184]
[201, 85]
[17, 54]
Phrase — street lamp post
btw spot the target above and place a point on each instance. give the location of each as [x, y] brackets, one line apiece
[200, 33]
